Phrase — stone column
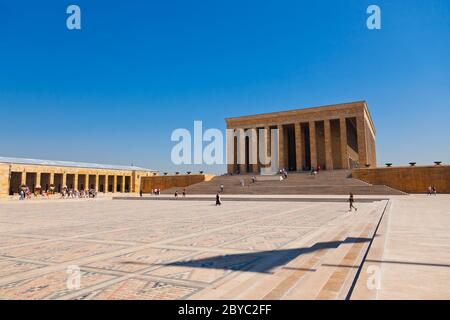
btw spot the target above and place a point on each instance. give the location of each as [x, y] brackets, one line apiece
[361, 133]
[344, 147]
[96, 182]
[52, 178]
[328, 144]
[241, 150]
[122, 187]
[231, 166]
[298, 147]
[86, 185]
[281, 151]
[64, 180]
[264, 147]
[38, 179]
[23, 178]
[253, 149]
[312, 144]
[106, 183]
[75, 182]
[115, 184]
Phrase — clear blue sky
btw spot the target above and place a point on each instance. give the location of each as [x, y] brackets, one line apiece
[114, 91]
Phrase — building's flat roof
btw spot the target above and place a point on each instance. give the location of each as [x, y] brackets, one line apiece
[302, 110]
[84, 165]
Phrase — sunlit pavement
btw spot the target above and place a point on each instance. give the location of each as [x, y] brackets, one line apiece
[111, 249]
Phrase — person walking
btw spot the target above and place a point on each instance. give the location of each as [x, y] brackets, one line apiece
[218, 202]
[140, 193]
[176, 194]
[430, 190]
[184, 193]
[434, 190]
[221, 188]
[351, 200]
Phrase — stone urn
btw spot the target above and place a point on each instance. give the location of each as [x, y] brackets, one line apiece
[412, 164]
[388, 164]
[165, 173]
[188, 172]
[201, 172]
[438, 163]
[367, 165]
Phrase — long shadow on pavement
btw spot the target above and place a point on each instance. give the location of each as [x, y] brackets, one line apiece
[266, 260]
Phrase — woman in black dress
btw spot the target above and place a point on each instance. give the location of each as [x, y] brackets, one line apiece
[218, 202]
[351, 200]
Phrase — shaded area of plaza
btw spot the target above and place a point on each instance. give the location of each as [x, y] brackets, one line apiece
[278, 257]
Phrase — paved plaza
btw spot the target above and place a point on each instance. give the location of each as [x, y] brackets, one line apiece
[128, 249]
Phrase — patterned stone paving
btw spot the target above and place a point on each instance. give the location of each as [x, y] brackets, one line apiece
[171, 249]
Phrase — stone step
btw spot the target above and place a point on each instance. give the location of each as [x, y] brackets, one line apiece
[336, 182]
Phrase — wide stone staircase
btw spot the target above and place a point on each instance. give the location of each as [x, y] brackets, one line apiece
[336, 182]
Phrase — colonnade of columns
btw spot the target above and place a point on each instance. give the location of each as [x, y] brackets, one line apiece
[325, 143]
[119, 183]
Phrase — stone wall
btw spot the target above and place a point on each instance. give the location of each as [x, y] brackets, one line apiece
[77, 176]
[408, 179]
[4, 180]
[173, 181]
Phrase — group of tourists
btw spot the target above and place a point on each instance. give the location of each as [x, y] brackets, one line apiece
[432, 190]
[283, 174]
[183, 193]
[66, 193]
[316, 170]
[69, 193]
[24, 193]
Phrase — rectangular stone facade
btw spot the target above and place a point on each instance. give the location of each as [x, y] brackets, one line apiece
[4, 179]
[340, 136]
[172, 181]
[408, 179]
[13, 175]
